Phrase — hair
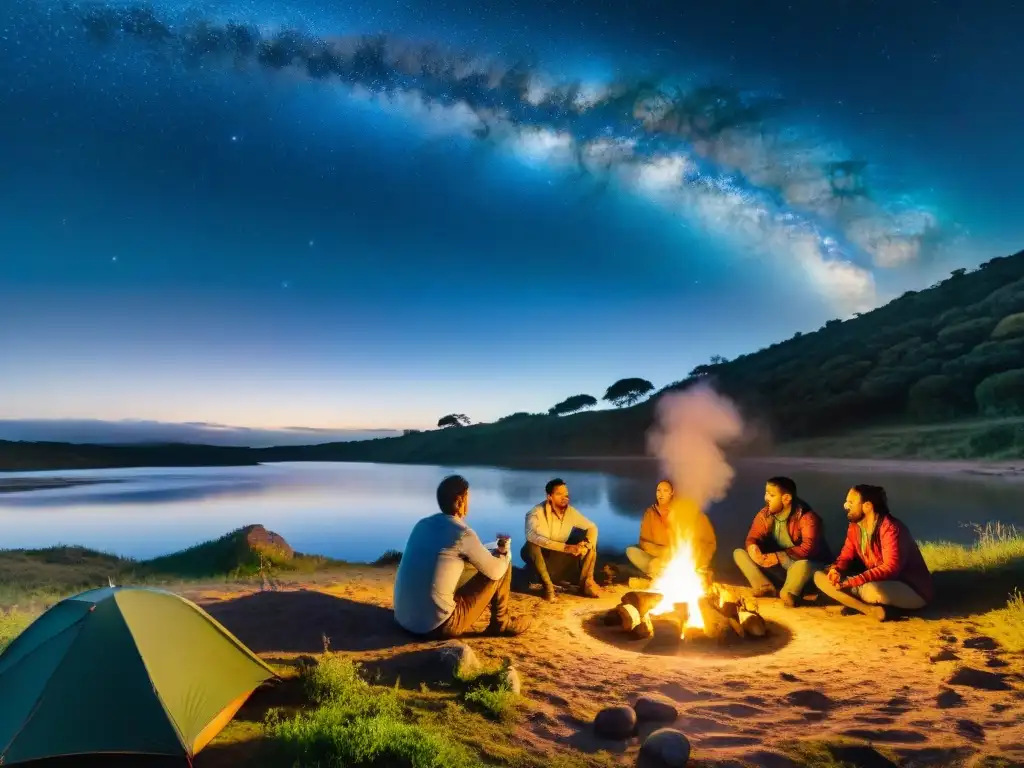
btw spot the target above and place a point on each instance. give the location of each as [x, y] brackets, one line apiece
[784, 484]
[550, 486]
[876, 495]
[449, 491]
[667, 482]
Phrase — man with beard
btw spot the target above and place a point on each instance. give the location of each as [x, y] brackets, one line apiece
[892, 571]
[550, 527]
[786, 544]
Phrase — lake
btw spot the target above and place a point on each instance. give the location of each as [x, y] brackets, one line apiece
[357, 511]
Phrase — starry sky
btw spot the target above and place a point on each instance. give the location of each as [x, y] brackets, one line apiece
[360, 217]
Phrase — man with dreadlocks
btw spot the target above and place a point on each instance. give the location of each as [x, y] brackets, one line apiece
[892, 571]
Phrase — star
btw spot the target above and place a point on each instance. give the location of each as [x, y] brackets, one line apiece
[113, 258]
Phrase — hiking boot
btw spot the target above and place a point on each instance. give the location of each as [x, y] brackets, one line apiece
[789, 599]
[512, 626]
[768, 591]
[589, 589]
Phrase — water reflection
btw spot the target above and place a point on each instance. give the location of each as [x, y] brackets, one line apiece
[356, 511]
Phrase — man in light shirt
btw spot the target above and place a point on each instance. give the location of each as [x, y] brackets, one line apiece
[428, 601]
[548, 553]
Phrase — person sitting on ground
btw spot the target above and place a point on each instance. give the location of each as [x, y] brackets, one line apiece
[654, 550]
[548, 553]
[894, 572]
[785, 545]
[428, 600]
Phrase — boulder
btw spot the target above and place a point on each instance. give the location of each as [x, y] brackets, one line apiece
[665, 748]
[655, 708]
[269, 544]
[615, 723]
[510, 677]
[455, 659]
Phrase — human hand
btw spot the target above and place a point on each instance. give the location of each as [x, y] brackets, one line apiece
[770, 560]
[575, 550]
[834, 576]
[755, 553]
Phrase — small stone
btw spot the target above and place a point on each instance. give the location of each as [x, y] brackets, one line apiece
[656, 708]
[615, 723]
[511, 678]
[665, 748]
[457, 660]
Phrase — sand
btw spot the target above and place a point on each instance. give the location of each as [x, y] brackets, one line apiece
[935, 692]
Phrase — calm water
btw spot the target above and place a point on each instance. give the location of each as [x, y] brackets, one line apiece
[357, 511]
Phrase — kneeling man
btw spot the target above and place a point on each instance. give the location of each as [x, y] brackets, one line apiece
[892, 571]
[548, 553]
[428, 601]
[786, 544]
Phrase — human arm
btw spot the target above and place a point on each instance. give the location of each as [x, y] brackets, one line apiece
[588, 526]
[476, 554]
[648, 529]
[755, 538]
[892, 561]
[843, 562]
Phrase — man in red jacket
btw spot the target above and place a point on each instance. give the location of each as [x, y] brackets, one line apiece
[892, 570]
[786, 544]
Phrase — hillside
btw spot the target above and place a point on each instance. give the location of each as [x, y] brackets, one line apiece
[951, 354]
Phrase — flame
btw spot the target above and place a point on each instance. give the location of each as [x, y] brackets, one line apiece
[680, 582]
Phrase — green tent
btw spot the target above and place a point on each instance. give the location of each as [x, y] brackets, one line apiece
[121, 670]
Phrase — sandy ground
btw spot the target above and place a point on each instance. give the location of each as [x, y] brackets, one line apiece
[935, 692]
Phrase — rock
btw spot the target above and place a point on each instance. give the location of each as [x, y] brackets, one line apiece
[267, 543]
[615, 723]
[655, 708]
[455, 659]
[510, 676]
[665, 748]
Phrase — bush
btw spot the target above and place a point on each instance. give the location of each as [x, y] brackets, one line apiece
[987, 358]
[1010, 326]
[939, 397]
[967, 332]
[1002, 394]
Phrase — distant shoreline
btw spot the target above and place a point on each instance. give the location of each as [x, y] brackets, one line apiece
[23, 484]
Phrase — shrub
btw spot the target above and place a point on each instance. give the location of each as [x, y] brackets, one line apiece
[967, 332]
[1002, 394]
[1010, 326]
[938, 397]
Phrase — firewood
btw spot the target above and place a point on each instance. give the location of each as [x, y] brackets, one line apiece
[644, 629]
[612, 618]
[737, 627]
[729, 610]
[725, 597]
[629, 617]
[753, 624]
[642, 601]
[667, 628]
[748, 604]
[716, 626]
[682, 612]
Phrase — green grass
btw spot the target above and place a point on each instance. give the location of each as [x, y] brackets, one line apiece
[997, 546]
[836, 753]
[11, 625]
[1006, 625]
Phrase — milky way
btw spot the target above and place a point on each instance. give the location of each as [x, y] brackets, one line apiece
[714, 154]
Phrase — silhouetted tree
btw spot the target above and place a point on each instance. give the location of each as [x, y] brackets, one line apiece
[573, 404]
[453, 420]
[411, 431]
[627, 391]
[517, 416]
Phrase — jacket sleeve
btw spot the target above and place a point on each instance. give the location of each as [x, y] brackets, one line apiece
[757, 531]
[891, 561]
[476, 553]
[847, 555]
[534, 535]
[810, 530]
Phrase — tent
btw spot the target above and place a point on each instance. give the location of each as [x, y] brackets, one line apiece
[122, 671]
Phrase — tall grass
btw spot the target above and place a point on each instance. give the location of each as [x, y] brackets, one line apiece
[1006, 625]
[997, 546]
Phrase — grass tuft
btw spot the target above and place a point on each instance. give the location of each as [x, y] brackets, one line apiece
[997, 546]
[1006, 625]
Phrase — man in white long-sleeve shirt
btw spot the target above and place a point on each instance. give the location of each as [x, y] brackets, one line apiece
[428, 601]
[547, 551]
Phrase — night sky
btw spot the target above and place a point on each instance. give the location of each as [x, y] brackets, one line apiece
[325, 215]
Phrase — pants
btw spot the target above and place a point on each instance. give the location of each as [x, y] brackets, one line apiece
[893, 593]
[472, 599]
[551, 566]
[645, 561]
[792, 575]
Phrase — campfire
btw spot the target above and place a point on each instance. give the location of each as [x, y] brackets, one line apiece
[684, 604]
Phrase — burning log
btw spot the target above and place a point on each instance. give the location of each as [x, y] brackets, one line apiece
[642, 601]
[716, 624]
[644, 629]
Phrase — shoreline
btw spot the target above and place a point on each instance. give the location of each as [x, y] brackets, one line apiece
[25, 484]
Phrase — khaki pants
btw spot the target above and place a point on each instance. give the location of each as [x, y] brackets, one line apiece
[896, 594]
[472, 599]
[551, 565]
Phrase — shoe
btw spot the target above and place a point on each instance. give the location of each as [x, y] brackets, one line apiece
[549, 593]
[512, 626]
[788, 599]
[768, 591]
[589, 589]
[878, 613]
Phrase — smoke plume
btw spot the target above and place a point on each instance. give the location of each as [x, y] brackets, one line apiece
[691, 429]
[715, 154]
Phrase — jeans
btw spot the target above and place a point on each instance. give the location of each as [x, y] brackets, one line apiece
[550, 565]
[793, 575]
